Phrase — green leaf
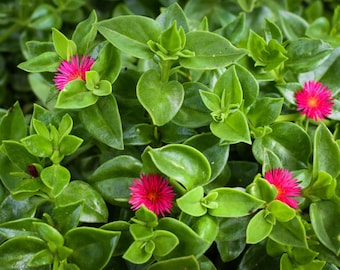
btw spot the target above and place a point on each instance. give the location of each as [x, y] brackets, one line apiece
[229, 89]
[94, 207]
[45, 62]
[44, 17]
[75, 96]
[40, 128]
[12, 209]
[211, 148]
[85, 33]
[293, 25]
[161, 100]
[206, 227]
[190, 202]
[172, 13]
[247, 5]
[38, 145]
[69, 144]
[19, 251]
[140, 232]
[131, 33]
[239, 203]
[323, 217]
[102, 121]
[211, 51]
[55, 177]
[67, 217]
[189, 242]
[139, 252]
[272, 31]
[13, 124]
[233, 129]
[290, 233]
[270, 161]
[262, 189]
[258, 228]
[18, 155]
[281, 211]
[108, 63]
[49, 234]
[113, 178]
[307, 54]
[326, 152]
[186, 262]
[289, 142]
[182, 163]
[92, 247]
[165, 242]
[43, 257]
[18, 227]
[211, 100]
[323, 187]
[265, 111]
[192, 113]
[64, 47]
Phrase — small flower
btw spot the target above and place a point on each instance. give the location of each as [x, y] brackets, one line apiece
[314, 100]
[286, 186]
[154, 192]
[72, 70]
[32, 170]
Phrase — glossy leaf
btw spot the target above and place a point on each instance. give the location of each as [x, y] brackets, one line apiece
[293, 26]
[258, 228]
[233, 129]
[20, 250]
[38, 145]
[323, 215]
[45, 62]
[131, 33]
[102, 120]
[239, 203]
[182, 163]
[13, 124]
[210, 146]
[67, 217]
[92, 247]
[186, 262]
[162, 100]
[94, 208]
[64, 47]
[164, 241]
[19, 227]
[326, 152]
[211, 51]
[113, 178]
[190, 202]
[55, 177]
[281, 211]
[139, 252]
[189, 242]
[290, 233]
[172, 13]
[287, 141]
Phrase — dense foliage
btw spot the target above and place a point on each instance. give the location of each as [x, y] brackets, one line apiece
[222, 116]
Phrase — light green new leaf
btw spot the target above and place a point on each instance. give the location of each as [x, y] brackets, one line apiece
[258, 228]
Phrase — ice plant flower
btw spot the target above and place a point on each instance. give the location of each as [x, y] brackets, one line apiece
[314, 100]
[152, 191]
[286, 186]
[72, 70]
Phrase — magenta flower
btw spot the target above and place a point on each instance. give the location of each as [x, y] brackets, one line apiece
[152, 191]
[72, 70]
[314, 100]
[286, 186]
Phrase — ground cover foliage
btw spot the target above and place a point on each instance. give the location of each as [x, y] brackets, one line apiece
[169, 134]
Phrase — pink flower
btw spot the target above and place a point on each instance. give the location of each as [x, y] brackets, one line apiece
[286, 186]
[314, 100]
[72, 70]
[154, 192]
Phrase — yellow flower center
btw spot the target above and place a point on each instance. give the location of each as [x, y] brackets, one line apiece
[152, 196]
[312, 102]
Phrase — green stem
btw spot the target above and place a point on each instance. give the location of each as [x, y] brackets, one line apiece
[165, 71]
[290, 117]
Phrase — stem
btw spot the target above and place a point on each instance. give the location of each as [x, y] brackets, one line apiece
[290, 117]
[165, 71]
